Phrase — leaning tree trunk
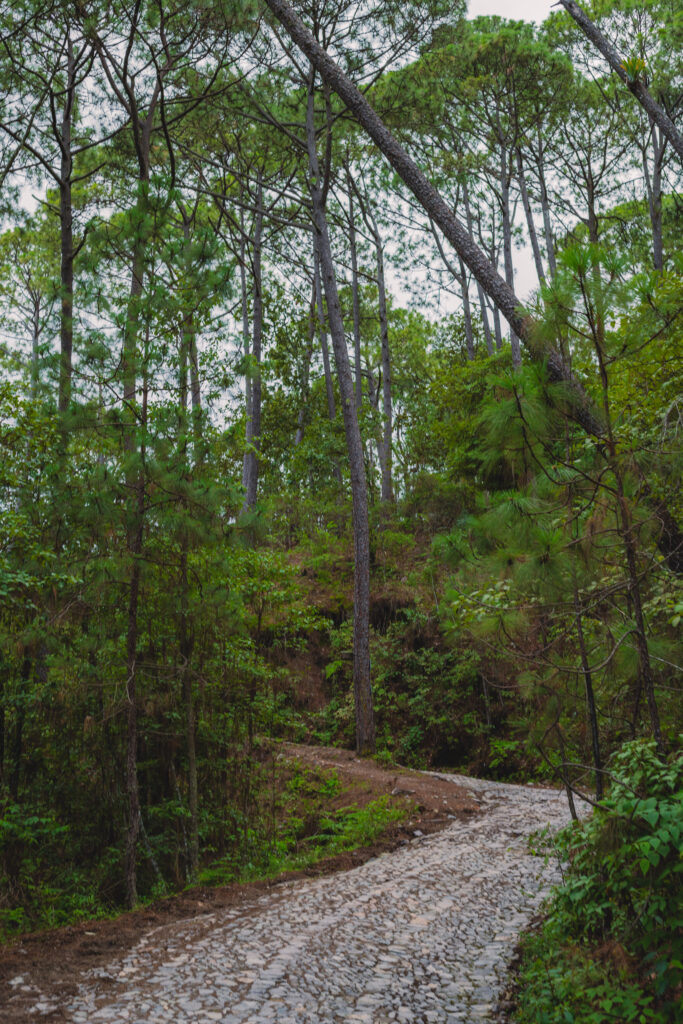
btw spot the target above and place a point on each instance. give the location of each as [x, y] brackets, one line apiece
[583, 409]
[436, 207]
[634, 84]
[365, 723]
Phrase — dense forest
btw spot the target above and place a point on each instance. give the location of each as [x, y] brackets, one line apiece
[341, 351]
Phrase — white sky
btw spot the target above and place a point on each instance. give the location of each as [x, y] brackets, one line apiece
[522, 10]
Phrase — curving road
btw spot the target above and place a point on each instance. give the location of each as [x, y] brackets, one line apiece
[422, 934]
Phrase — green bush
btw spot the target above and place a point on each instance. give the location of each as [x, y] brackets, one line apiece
[622, 892]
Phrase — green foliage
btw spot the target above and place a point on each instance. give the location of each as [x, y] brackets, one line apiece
[622, 894]
[520, 576]
[303, 829]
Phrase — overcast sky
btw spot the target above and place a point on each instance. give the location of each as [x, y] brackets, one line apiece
[522, 10]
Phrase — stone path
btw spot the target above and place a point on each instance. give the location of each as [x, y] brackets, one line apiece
[422, 934]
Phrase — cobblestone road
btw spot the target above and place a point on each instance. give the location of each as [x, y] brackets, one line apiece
[422, 934]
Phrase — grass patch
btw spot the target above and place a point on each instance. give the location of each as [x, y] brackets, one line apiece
[312, 816]
[294, 847]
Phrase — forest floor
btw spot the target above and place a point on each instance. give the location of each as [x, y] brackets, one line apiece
[52, 964]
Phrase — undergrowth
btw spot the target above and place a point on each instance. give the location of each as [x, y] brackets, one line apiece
[307, 830]
[611, 948]
[302, 815]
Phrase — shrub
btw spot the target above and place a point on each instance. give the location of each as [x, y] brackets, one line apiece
[620, 902]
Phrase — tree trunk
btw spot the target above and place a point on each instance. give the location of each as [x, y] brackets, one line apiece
[66, 238]
[653, 184]
[35, 356]
[4, 678]
[246, 343]
[134, 550]
[507, 245]
[135, 488]
[322, 332]
[547, 226]
[497, 329]
[528, 213]
[467, 313]
[593, 223]
[355, 291]
[251, 466]
[190, 334]
[480, 291]
[635, 85]
[461, 278]
[301, 420]
[184, 639]
[387, 492]
[17, 744]
[590, 698]
[625, 528]
[365, 723]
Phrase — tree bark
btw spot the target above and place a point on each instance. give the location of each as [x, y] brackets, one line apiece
[322, 331]
[365, 722]
[246, 345]
[355, 292]
[497, 329]
[480, 291]
[387, 487]
[507, 244]
[653, 183]
[135, 487]
[635, 85]
[66, 237]
[251, 457]
[625, 527]
[528, 213]
[467, 313]
[301, 420]
[461, 277]
[190, 333]
[547, 226]
[185, 643]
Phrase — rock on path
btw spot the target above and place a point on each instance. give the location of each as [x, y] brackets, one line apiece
[422, 934]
